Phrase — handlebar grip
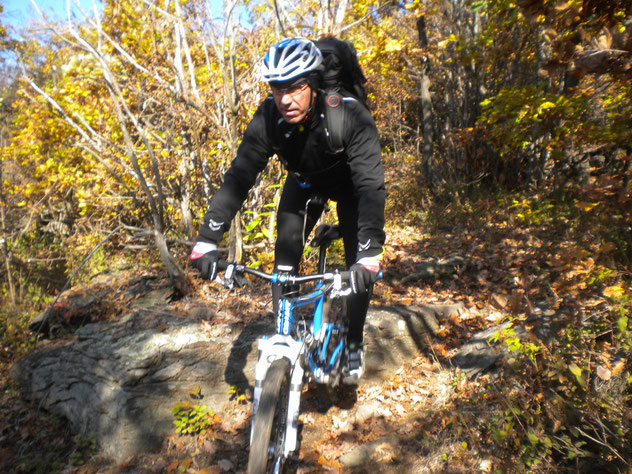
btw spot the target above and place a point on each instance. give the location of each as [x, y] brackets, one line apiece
[222, 265]
[346, 275]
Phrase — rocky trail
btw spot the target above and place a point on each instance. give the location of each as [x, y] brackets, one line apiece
[119, 356]
[118, 381]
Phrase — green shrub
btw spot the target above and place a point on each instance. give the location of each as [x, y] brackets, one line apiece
[193, 419]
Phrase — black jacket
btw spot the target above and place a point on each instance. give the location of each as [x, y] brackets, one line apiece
[356, 173]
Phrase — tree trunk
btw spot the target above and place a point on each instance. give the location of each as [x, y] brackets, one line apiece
[5, 245]
[185, 194]
[426, 105]
[173, 269]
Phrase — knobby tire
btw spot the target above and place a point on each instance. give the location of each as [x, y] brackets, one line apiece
[270, 419]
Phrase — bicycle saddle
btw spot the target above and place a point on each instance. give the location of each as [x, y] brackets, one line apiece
[325, 234]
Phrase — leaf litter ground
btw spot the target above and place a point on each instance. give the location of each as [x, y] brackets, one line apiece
[425, 418]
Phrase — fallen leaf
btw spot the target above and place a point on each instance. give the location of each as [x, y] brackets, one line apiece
[515, 304]
[613, 292]
[173, 466]
[577, 372]
[603, 372]
[307, 419]
[618, 366]
[210, 470]
[384, 453]
[323, 461]
[586, 206]
[499, 301]
[557, 424]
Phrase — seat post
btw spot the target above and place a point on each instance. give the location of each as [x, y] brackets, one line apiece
[322, 256]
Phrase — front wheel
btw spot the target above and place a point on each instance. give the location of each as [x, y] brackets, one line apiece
[268, 435]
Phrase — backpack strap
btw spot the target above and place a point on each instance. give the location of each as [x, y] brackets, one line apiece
[335, 120]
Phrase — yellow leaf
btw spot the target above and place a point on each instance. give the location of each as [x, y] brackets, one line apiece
[613, 292]
[586, 206]
[545, 106]
[577, 372]
[393, 46]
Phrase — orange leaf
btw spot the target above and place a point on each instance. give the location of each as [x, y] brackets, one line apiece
[516, 301]
[210, 470]
[440, 349]
[618, 366]
[323, 461]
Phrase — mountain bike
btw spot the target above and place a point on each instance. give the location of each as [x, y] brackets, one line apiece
[309, 344]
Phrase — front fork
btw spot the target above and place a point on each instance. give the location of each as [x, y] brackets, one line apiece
[271, 349]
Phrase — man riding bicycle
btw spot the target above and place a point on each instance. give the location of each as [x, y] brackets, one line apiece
[291, 124]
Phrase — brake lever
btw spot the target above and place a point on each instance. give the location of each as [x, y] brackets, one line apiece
[232, 278]
[227, 281]
[240, 280]
[337, 291]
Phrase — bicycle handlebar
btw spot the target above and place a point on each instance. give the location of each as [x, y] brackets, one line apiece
[281, 277]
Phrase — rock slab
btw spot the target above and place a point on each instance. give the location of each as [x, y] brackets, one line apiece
[118, 381]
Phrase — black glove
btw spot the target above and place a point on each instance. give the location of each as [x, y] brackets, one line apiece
[364, 273]
[205, 262]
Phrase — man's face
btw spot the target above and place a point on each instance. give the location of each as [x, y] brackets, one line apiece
[293, 102]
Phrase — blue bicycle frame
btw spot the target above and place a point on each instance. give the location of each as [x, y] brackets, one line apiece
[322, 331]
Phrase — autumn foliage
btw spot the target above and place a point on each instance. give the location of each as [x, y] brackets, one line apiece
[511, 118]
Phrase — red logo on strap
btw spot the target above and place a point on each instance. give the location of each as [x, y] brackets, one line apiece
[333, 101]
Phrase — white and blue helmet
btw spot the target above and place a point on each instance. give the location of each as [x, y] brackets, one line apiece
[289, 60]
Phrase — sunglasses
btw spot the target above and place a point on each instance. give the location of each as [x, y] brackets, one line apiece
[292, 90]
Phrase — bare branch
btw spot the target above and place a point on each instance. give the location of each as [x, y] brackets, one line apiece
[278, 17]
[181, 34]
[341, 9]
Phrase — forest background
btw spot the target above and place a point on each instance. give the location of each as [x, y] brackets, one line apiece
[118, 124]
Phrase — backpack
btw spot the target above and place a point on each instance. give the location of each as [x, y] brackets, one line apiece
[341, 73]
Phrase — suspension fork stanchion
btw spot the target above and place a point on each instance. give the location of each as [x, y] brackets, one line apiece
[293, 408]
[261, 369]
